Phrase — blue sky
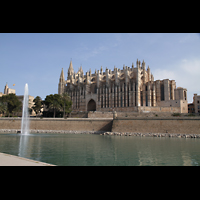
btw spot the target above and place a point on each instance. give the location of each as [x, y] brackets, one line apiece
[37, 58]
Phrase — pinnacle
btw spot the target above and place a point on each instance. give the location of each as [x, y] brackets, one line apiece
[71, 69]
[62, 75]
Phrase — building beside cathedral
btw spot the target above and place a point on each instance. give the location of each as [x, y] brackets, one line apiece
[131, 89]
[8, 91]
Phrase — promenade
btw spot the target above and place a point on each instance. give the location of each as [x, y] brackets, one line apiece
[10, 160]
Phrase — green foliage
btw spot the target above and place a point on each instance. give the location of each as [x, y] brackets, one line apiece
[3, 108]
[191, 115]
[67, 103]
[58, 114]
[53, 102]
[176, 114]
[57, 103]
[38, 104]
[10, 104]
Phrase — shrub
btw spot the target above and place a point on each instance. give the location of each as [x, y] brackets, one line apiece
[176, 114]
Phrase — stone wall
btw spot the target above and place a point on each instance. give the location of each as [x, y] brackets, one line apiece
[163, 108]
[97, 114]
[157, 125]
[189, 125]
[82, 124]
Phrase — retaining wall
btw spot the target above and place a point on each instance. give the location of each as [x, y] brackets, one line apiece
[189, 125]
[82, 124]
[157, 125]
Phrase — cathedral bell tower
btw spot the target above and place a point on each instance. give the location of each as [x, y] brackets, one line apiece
[61, 85]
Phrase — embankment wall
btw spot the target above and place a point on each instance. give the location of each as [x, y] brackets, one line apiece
[189, 125]
[82, 124]
[157, 125]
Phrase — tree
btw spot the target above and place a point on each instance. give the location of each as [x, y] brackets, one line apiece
[67, 103]
[53, 101]
[38, 104]
[12, 102]
[3, 108]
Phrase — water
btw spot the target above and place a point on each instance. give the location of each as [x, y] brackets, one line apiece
[25, 114]
[98, 150]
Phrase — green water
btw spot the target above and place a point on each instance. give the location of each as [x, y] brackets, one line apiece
[98, 150]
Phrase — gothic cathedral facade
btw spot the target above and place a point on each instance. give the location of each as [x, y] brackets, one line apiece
[131, 89]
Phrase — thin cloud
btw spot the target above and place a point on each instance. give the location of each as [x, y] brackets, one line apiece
[188, 38]
[89, 53]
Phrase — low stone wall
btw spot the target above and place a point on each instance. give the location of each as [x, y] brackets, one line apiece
[160, 109]
[182, 125]
[82, 124]
[167, 108]
[97, 114]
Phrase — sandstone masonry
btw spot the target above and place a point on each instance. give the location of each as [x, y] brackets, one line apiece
[153, 125]
[131, 89]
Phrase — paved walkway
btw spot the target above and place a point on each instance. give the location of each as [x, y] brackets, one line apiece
[10, 160]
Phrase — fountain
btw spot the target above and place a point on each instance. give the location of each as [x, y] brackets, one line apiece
[25, 115]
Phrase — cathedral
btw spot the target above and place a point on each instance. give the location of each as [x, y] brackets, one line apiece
[131, 89]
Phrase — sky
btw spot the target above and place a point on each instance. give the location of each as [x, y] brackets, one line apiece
[38, 58]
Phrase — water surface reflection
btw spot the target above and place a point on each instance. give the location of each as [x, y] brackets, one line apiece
[97, 150]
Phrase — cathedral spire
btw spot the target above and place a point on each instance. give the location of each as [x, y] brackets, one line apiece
[61, 85]
[70, 70]
[137, 64]
[144, 65]
[62, 77]
[101, 70]
[81, 69]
